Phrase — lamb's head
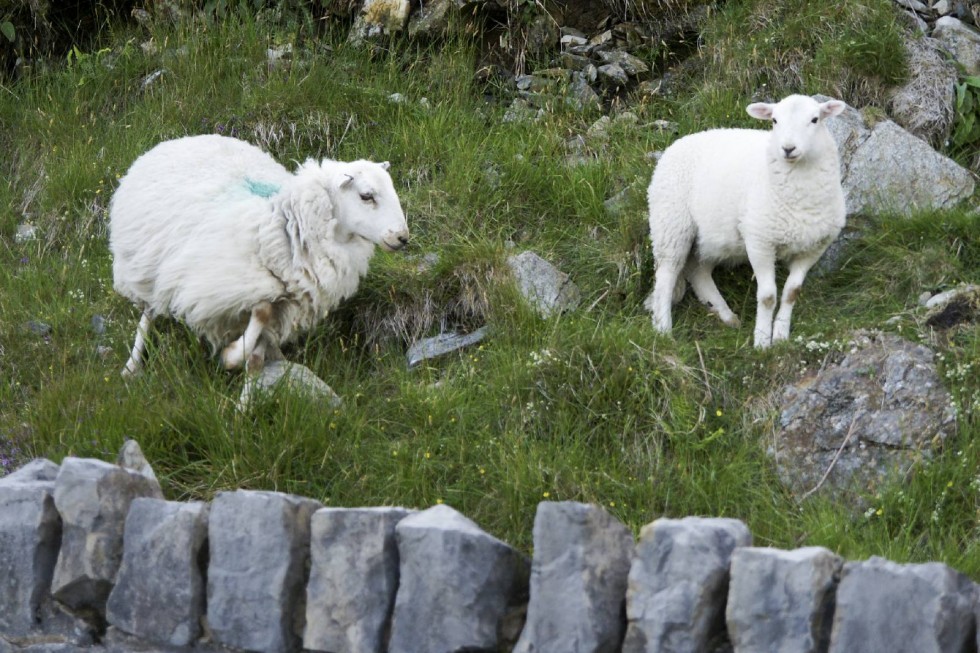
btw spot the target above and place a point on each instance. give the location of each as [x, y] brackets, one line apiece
[346, 200]
[797, 125]
[367, 204]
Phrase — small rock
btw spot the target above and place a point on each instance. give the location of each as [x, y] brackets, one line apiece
[581, 96]
[943, 298]
[396, 98]
[943, 7]
[38, 328]
[26, 232]
[150, 79]
[914, 5]
[277, 54]
[924, 298]
[612, 75]
[443, 344]
[549, 290]
[962, 40]
[131, 457]
[98, 325]
[631, 65]
[280, 375]
[573, 39]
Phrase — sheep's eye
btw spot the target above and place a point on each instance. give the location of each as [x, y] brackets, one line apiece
[774, 121]
[367, 197]
[814, 121]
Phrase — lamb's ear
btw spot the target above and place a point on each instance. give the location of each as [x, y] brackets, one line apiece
[760, 110]
[832, 108]
[346, 181]
[385, 164]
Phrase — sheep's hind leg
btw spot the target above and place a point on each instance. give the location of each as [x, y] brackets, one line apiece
[798, 269]
[699, 276]
[660, 299]
[135, 363]
[248, 346]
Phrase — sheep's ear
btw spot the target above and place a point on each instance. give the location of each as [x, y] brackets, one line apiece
[346, 181]
[385, 165]
[832, 108]
[760, 110]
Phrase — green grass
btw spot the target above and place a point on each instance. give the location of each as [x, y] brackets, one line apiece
[590, 406]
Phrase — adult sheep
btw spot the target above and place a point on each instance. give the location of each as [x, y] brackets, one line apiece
[730, 195]
[213, 231]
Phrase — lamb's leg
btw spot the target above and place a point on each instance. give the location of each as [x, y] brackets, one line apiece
[699, 276]
[763, 261]
[798, 269]
[135, 363]
[235, 354]
[659, 301]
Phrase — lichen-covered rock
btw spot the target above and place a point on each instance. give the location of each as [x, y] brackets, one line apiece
[678, 584]
[876, 412]
[93, 499]
[353, 579]
[884, 606]
[781, 601]
[159, 591]
[284, 376]
[257, 572]
[962, 40]
[30, 536]
[457, 584]
[578, 580]
[545, 287]
[925, 103]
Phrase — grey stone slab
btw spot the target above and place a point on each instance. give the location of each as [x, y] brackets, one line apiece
[353, 579]
[885, 606]
[545, 287]
[678, 583]
[30, 537]
[159, 591]
[93, 498]
[259, 552]
[781, 601]
[442, 344]
[578, 580]
[457, 583]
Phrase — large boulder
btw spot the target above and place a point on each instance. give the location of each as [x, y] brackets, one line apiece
[678, 584]
[962, 40]
[578, 580]
[457, 584]
[885, 169]
[876, 412]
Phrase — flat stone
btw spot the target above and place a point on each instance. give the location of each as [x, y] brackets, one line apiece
[284, 376]
[353, 578]
[159, 592]
[578, 580]
[884, 606]
[443, 344]
[781, 600]
[259, 552]
[678, 583]
[457, 584]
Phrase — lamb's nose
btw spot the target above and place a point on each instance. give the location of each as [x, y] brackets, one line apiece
[788, 151]
[403, 240]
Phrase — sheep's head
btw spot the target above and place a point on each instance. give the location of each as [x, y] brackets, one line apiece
[337, 199]
[797, 124]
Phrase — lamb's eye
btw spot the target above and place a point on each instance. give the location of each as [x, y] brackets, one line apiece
[814, 121]
[774, 121]
[367, 197]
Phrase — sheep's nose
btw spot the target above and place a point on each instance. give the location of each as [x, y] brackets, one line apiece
[788, 151]
[403, 240]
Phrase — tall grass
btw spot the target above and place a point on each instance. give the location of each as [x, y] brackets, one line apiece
[588, 406]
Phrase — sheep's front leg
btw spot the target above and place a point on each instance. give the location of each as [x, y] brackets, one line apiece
[763, 261]
[245, 347]
[798, 269]
[135, 363]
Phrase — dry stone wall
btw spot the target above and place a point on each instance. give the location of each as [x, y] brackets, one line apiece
[93, 559]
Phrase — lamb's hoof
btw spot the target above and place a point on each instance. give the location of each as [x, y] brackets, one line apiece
[255, 363]
[131, 371]
[733, 322]
[231, 357]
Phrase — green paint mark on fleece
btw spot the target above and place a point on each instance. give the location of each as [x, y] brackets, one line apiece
[260, 188]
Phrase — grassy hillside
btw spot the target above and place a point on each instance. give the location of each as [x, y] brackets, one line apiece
[590, 406]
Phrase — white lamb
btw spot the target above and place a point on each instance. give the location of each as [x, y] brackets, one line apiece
[213, 231]
[727, 195]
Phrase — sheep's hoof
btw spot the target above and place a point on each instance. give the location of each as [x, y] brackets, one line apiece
[131, 371]
[231, 358]
[255, 363]
[733, 321]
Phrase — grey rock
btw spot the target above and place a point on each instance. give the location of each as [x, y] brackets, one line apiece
[630, 64]
[151, 79]
[580, 95]
[781, 601]
[578, 580]
[93, 499]
[520, 111]
[38, 328]
[259, 552]
[675, 600]
[431, 20]
[943, 7]
[878, 411]
[379, 18]
[282, 375]
[612, 75]
[98, 325]
[26, 232]
[159, 591]
[30, 535]
[545, 287]
[886, 169]
[442, 344]
[962, 40]
[131, 457]
[457, 584]
[574, 61]
[353, 579]
[884, 606]
[914, 5]
[943, 298]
